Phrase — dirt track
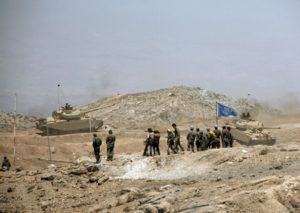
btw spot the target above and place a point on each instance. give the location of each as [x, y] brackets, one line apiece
[240, 179]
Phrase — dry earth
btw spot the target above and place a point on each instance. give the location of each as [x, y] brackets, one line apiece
[240, 179]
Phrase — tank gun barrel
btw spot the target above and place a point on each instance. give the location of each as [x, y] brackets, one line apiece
[97, 108]
[268, 127]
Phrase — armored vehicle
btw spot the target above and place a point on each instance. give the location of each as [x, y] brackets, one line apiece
[251, 132]
[68, 120]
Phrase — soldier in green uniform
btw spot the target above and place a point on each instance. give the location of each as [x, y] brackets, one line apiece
[200, 139]
[110, 143]
[177, 138]
[96, 144]
[225, 141]
[209, 137]
[229, 136]
[5, 164]
[170, 141]
[191, 138]
[216, 142]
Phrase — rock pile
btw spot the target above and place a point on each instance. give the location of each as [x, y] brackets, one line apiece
[164, 106]
[7, 120]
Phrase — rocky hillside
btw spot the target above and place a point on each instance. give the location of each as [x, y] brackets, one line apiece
[165, 106]
[7, 120]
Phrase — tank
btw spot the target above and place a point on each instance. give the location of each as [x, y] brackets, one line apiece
[250, 132]
[68, 120]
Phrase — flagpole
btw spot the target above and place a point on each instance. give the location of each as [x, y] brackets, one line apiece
[217, 113]
[15, 127]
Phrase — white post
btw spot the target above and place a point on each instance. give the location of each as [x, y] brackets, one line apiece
[50, 156]
[15, 127]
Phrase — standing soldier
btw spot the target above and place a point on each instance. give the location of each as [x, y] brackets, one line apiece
[210, 137]
[216, 143]
[5, 164]
[149, 142]
[200, 140]
[96, 144]
[229, 136]
[225, 141]
[110, 144]
[191, 138]
[177, 138]
[156, 142]
[170, 141]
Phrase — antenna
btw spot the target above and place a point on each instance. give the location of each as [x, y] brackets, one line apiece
[58, 102]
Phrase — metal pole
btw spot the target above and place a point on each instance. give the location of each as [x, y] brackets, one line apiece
[217, 113]
[15, 126]
[48, 142]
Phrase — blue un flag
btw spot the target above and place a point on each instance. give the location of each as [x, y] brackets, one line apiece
[226, 111]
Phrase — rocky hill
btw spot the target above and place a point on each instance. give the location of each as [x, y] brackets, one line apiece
[164, 106]
[7, 120]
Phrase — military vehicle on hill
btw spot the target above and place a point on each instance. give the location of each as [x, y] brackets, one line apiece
[68, 120]
[251, 132]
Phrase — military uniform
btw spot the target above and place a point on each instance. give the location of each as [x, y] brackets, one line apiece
[177, 139]
[96, 144]
[110, 144]
[225, 141]
[149, 143]
[200, 140]
[210, 139]
[170, 142]
[229, 137]
[190, 139]
[216, 142]
[156, 139]
[5, 164]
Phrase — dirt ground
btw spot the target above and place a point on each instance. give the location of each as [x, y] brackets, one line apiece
[239, 179]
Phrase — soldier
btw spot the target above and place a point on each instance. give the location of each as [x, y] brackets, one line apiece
[210, 137]
[110, 144]
[229, 136]
[216, 142]
[5, 164]
[200, 139]
[149, 142]
[96, 144]
[225, 141]
[68, 107]
[170, 141]
[191, 138]
[177, 138]
[156, 142]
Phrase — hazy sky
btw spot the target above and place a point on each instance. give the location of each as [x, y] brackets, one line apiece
[100, 48]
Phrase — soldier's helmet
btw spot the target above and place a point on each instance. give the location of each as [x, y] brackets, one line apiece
[208, 129]
[191, 127]
[216, 126]
[224, 127]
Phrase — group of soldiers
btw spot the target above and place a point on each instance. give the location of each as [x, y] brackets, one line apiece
[110, 144]
[211, 139]
[152, 142]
